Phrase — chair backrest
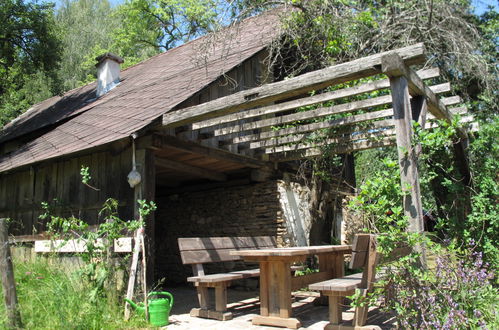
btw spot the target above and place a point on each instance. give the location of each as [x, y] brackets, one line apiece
[199, 250]
[366, 256]
[360, 250]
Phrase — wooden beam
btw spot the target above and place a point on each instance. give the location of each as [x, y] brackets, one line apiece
[343, 149]
[315, 80]
[455, 111]
[341, 140]
[189, 169]
[407, 160]
[308, 137]
[312, 100]
[8, 281]
[311, 114]
[441, 88]
[166, 141]
[393, 66]
[233, 131]
[146, 190]
[315, 126]
[409, 176]
[451, 100]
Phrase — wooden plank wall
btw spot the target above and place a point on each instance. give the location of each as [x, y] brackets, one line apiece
[22, 192]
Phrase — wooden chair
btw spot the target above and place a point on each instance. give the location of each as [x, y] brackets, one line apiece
[364, 255]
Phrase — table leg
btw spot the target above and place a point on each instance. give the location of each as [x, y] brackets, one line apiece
[275, 295]
[264, 288]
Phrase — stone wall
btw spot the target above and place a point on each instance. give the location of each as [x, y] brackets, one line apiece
[294, 201]
[248, 210]
[279, 208]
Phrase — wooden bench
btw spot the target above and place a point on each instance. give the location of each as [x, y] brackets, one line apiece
[365, 256]
[202, 250]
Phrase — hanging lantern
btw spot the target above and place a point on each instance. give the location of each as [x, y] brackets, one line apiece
[133, 177]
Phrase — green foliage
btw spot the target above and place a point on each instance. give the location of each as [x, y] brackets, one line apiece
[50, 297]
[85, 29]
[455, 291]
[22, 91]
[29, 56]
[163, 24]
[145, 207]
[27, 36]
[482, 225]
[379, 201]
[453, 199]
[85, 175]
[96, 269]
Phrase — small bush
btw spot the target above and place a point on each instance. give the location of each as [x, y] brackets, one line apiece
[455, 293]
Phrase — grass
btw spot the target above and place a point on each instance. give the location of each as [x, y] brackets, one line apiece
[51, 297]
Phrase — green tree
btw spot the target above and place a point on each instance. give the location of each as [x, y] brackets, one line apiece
[164, 24]
[86, 28]
[29, 55]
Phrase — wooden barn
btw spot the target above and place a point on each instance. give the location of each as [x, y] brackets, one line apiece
[205, 126]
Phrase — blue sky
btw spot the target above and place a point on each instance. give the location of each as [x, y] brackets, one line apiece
[480, 5]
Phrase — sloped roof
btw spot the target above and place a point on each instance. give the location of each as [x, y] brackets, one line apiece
[147, 90]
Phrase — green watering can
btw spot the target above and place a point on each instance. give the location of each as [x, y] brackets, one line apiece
[159, 308]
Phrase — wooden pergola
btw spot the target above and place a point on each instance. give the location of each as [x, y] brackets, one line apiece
[296, 118]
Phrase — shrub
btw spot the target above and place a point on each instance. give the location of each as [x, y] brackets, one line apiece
[455, 293]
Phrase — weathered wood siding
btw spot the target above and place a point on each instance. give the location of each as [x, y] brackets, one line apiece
[23, 191]
[59, 184]
[249, 74]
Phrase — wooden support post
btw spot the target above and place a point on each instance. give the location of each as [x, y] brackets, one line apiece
[407, 162]
[133, 272]
[409, 176]
[146, 190]
[8, 282]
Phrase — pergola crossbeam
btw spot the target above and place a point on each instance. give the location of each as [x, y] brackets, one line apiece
[350, 120]
[306, 115]
[340, 149]
[316, 80]
[338, 140]
[298, 138]
[317, 99]
[234, 131]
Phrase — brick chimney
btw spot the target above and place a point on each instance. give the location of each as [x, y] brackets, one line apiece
[108, 72]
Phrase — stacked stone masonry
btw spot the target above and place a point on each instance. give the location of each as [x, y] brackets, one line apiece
[248, 210]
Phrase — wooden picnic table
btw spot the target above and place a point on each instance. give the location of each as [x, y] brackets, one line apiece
[277, 282]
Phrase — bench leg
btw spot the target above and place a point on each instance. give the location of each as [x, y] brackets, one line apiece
[335, 310]
[220, 313]
[203, 296]
[221, 298]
